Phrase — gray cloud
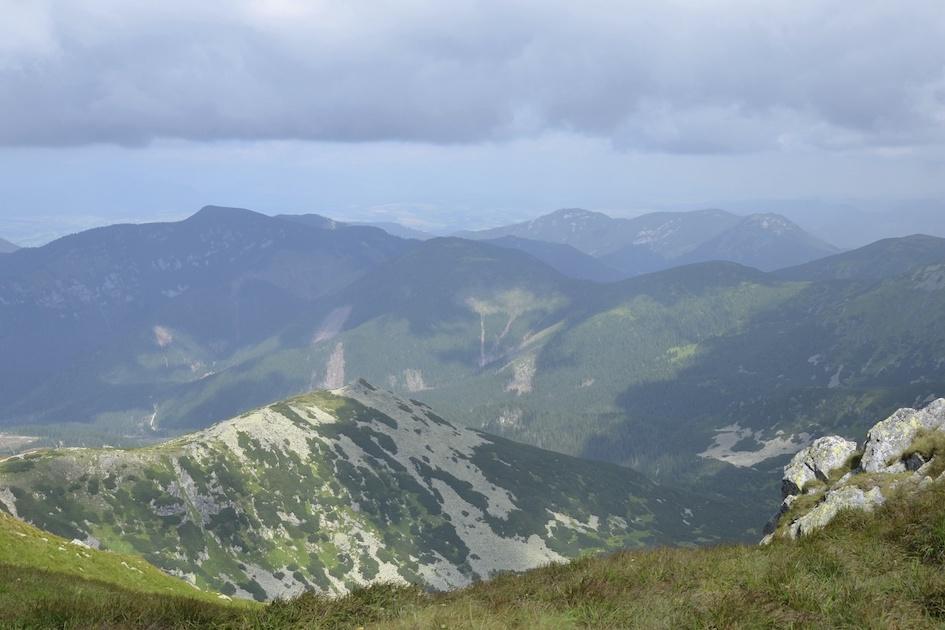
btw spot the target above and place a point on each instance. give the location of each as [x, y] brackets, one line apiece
[714, 76]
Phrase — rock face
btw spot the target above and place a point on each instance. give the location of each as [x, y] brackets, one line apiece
[334, 490]
[845, 498]
[817, 461]
[888, 440]
[889, 460]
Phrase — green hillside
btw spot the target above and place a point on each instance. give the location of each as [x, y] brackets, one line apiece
[101, 324]
[336, 490]
[709, 375]
[883, 259]
[880, 570]
[25, 546]
[49, 581]
[863, 571]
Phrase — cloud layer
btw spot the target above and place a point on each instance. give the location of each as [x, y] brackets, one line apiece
[682, 76]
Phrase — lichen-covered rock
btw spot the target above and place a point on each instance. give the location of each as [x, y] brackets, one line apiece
[817, 461]
[845, 498]
[884, 467]
[888, 440]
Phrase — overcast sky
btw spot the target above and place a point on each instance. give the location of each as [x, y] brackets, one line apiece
[462, 113]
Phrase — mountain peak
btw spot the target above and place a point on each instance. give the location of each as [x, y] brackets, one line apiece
[6, 247]
[312, 220]
[223, 213]
[573, 213]
[578, 218]
[360, 386]
[771, 222]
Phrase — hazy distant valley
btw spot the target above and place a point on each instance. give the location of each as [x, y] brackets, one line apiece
[270, 406]
[698, 375]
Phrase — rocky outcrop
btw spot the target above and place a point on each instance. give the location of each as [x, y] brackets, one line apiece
[817, 461]
[888, 440]
[858, 480]
[845, 498]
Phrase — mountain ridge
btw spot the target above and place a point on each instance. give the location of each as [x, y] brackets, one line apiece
[333, 490]
[6, 247]
[883, 259]
[655, 241]
[179, 295]
[566, 259]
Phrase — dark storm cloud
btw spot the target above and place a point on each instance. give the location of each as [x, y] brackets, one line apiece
[686, 76]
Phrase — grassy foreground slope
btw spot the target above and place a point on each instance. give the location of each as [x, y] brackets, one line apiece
[22, 545]
[880, 570]
[47, 581]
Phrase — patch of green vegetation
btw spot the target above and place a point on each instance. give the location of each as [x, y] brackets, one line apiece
[26, 547]
[17, 465]
[37, 598]
[680, 354]
[863, 570]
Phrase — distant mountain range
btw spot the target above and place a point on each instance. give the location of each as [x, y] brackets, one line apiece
[323, 222]
[396, 229]
[708, 374]
[660, 240]
[883, 259]
[335, 490]
[161, 304]
[6, 247]
[565, 259]
[858, 222]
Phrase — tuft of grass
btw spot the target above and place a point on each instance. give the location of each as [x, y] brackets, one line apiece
[29, 548]
[36, 598]
[931, 446]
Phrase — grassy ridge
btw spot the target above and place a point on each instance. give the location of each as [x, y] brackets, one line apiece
[36, 598]
[262, 506]
[863, 571]
[25, 547]
[49, 582]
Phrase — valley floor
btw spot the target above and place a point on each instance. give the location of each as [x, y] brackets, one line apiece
[885, 570]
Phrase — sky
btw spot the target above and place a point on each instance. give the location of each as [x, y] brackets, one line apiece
[464, 114]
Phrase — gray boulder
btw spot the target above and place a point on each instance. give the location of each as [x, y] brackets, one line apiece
[845, 498]
[888, 440]
[817, 461]
[772, 525]
[914, 462]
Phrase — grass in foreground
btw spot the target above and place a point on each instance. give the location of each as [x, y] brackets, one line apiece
[26, 547]
[881, 571]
